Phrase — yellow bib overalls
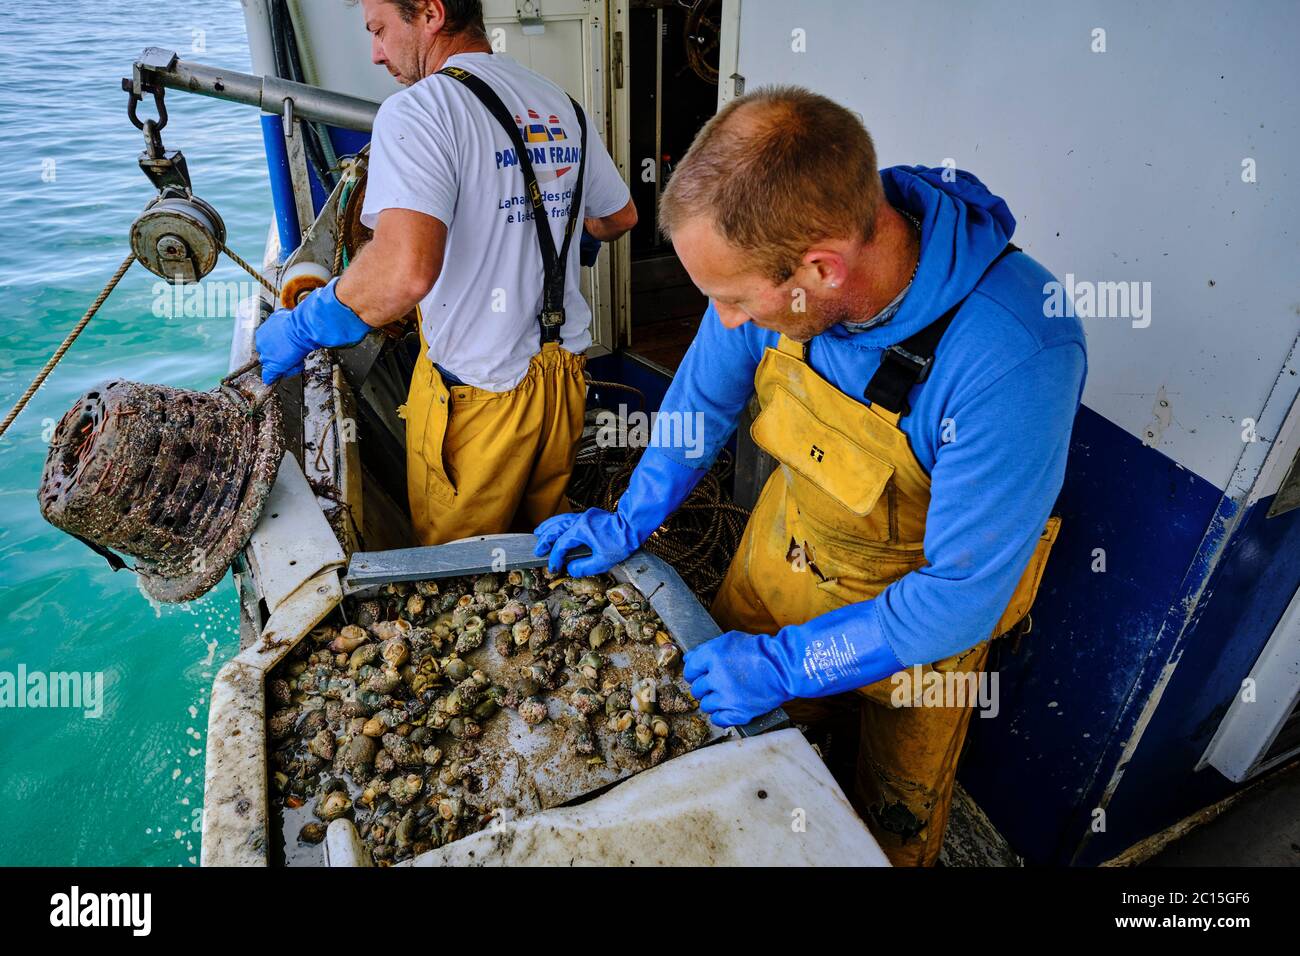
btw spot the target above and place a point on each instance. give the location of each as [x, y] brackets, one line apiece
[839, 520]
[480, 462]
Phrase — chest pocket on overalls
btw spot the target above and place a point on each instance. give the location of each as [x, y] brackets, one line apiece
[830, 460]
[841, 506]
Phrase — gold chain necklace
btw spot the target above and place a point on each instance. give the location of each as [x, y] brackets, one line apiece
[916, 224]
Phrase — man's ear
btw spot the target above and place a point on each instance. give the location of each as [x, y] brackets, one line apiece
[827, 265]
[434, 11]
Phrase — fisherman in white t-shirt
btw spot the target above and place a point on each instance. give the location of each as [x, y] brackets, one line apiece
[461, 162]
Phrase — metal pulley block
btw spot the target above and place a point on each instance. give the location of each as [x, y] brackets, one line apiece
[178, 237]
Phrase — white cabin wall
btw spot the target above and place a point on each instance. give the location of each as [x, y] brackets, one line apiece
[335, 49]
[1119, 166]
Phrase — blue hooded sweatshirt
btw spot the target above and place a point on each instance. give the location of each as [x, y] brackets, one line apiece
[1006, 376]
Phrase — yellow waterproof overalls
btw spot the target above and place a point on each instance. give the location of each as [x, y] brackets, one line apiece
[480, 462]
[839, 520]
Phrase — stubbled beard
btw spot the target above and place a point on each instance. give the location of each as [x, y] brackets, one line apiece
[845, 309]
[822, 315]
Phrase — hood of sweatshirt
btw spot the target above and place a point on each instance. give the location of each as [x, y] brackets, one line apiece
[963, 228]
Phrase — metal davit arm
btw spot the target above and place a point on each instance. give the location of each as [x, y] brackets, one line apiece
[157, 68]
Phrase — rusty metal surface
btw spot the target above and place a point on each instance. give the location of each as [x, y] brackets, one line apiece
[355, 235]
[172, 477]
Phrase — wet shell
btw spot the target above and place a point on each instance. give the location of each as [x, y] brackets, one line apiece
[667, 655]
[600, 633]
[415, 606]
[278, 691]
[312, 833]
[384, 682]
[404, 833]
[512, 612]
[333, 805]
[281, 723]
[462, 728]
[387, 630]
[693, 732]
[405, 754]
[643, 696]
[404, 790]
[540, 619]
[589, 665]
[322, 745]
[533, 711]
[672, 700]
[350, 637]
[585, 701]
[395, 651]
[357, 756]
[368, 612]
[623, 594]
[471, 638]
[619, 699]
[576, 627]
[456, 669]
[363, 655]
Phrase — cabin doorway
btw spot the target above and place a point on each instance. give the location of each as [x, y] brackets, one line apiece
[673, 52]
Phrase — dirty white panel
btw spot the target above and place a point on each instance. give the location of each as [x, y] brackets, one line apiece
[1119, 166]
[292, 542]
[762, 801]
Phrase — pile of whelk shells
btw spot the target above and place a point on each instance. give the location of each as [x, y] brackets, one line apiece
[390, 703]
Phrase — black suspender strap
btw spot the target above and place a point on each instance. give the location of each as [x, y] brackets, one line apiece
[554, 265]
[907, 364]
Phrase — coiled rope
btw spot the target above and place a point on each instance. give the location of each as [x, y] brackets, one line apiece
[698, 539]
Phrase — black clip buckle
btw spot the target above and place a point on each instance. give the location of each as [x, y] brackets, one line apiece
[551, 321]
[922, 365]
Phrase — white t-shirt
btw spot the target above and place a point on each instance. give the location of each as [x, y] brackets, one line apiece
[437, 150]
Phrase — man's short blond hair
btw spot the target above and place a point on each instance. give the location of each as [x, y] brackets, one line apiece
[776, 171]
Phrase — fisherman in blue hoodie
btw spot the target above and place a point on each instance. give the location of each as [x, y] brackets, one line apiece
[918, 399]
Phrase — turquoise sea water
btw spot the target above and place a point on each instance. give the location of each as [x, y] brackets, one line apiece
[126, 787]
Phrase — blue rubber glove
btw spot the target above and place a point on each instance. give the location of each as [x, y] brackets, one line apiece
[289, 335]
[737, 676]
[658, 485]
